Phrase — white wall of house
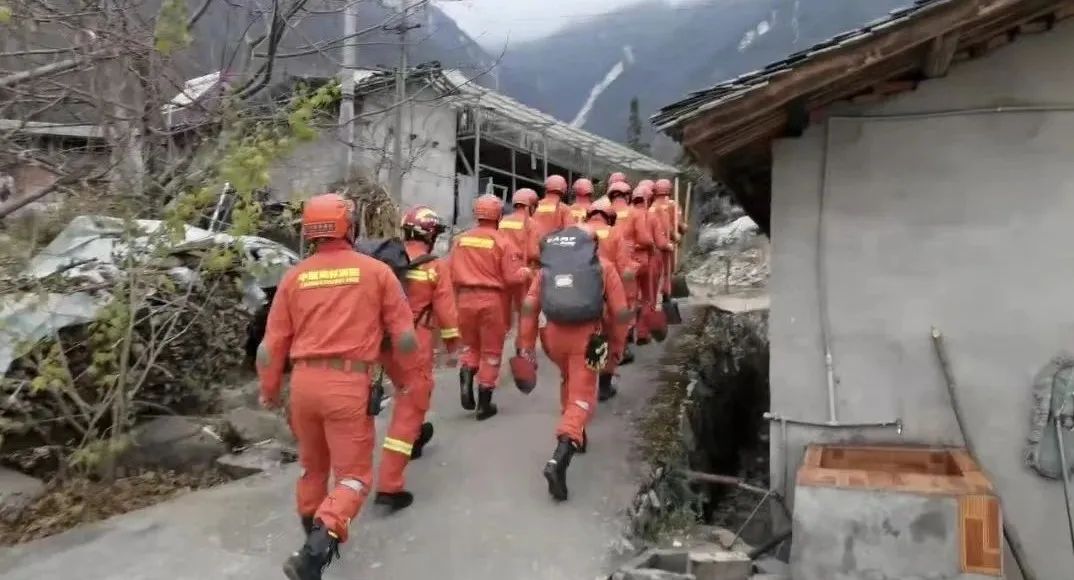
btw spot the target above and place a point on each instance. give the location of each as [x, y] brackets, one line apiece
[961, 220]
[429, 156]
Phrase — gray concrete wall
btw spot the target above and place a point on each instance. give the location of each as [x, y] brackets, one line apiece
[429, 157]
[962, 221]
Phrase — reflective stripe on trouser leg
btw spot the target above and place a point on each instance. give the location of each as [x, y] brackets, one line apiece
[581, 398]
[493, 334]
[408, 414]
[312, 486]
[349, 432]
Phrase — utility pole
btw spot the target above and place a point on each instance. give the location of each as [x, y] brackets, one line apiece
[396, 177]
[346, 80]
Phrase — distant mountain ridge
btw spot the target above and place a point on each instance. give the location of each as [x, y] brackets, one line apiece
[673, 49]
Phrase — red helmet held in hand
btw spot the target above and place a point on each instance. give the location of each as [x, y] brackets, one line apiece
[327, 216]
[488, 207]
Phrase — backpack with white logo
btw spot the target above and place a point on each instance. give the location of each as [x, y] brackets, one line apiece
[572, 281]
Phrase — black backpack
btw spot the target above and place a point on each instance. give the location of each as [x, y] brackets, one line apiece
[572, 281]
[392, 252]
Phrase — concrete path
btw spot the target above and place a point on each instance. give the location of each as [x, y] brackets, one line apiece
[482, 510]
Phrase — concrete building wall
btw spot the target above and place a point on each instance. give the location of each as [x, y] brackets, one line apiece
[962, 221]
[429, 155]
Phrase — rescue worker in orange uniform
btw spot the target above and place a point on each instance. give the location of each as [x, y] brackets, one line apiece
[568, 345]
[329, 317]
[583, 197]
[632, 224]
[551, 213]
[520, 229]
[671, 215]
[650, 283]
[600, 217]
[484, 266]
[431, 296]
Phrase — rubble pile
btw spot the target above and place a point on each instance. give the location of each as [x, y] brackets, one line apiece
[64, 318]
[733, 255]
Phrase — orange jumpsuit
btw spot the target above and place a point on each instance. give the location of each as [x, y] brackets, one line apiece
[613, 249]
[484, 263]
[565, 345]
[630, 222]
[579, 209]
[330, 315]
[551, 215]
[671, 217]
[520, 231]
[432, 298]
[655, 272]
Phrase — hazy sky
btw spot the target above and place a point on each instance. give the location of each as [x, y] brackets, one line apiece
[491, 22]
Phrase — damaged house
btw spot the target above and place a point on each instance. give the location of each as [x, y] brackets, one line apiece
[916, 180]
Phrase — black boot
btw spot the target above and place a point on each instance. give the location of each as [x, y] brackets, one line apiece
[309, 563]
[555, 471]
[466, 388]
[485, 407]
[396, 501]
[307, 524]
[423, 439]
[628, 357]
[605, 389]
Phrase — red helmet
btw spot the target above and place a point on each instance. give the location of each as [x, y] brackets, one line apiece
[663, 187]
[616, 177]
[646, 183]
[526, 197]
[642, 193]
[555, 184]
[422, 222]
[327, 216]
[602, 206]
[618, 189]
[583, 188]
[488, 207]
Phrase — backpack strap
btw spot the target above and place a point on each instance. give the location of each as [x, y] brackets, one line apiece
[421, 261]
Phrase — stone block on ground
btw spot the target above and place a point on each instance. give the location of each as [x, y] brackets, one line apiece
[658, 565]
[720, 565]
[256, 425]
[254, 460]
[176, 443]
[17, 492]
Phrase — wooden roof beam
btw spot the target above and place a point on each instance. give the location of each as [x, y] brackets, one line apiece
[813, 75]
[940, 54]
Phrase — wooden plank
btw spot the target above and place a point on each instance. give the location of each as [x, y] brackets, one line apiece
[844, 62]
[940, 53]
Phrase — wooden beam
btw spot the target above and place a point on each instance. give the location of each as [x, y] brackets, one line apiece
[939, 55]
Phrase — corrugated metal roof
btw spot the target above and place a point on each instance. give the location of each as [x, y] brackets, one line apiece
[461, 90]
[699, 102]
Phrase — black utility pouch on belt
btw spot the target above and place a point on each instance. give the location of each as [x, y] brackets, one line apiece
[376, 395]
